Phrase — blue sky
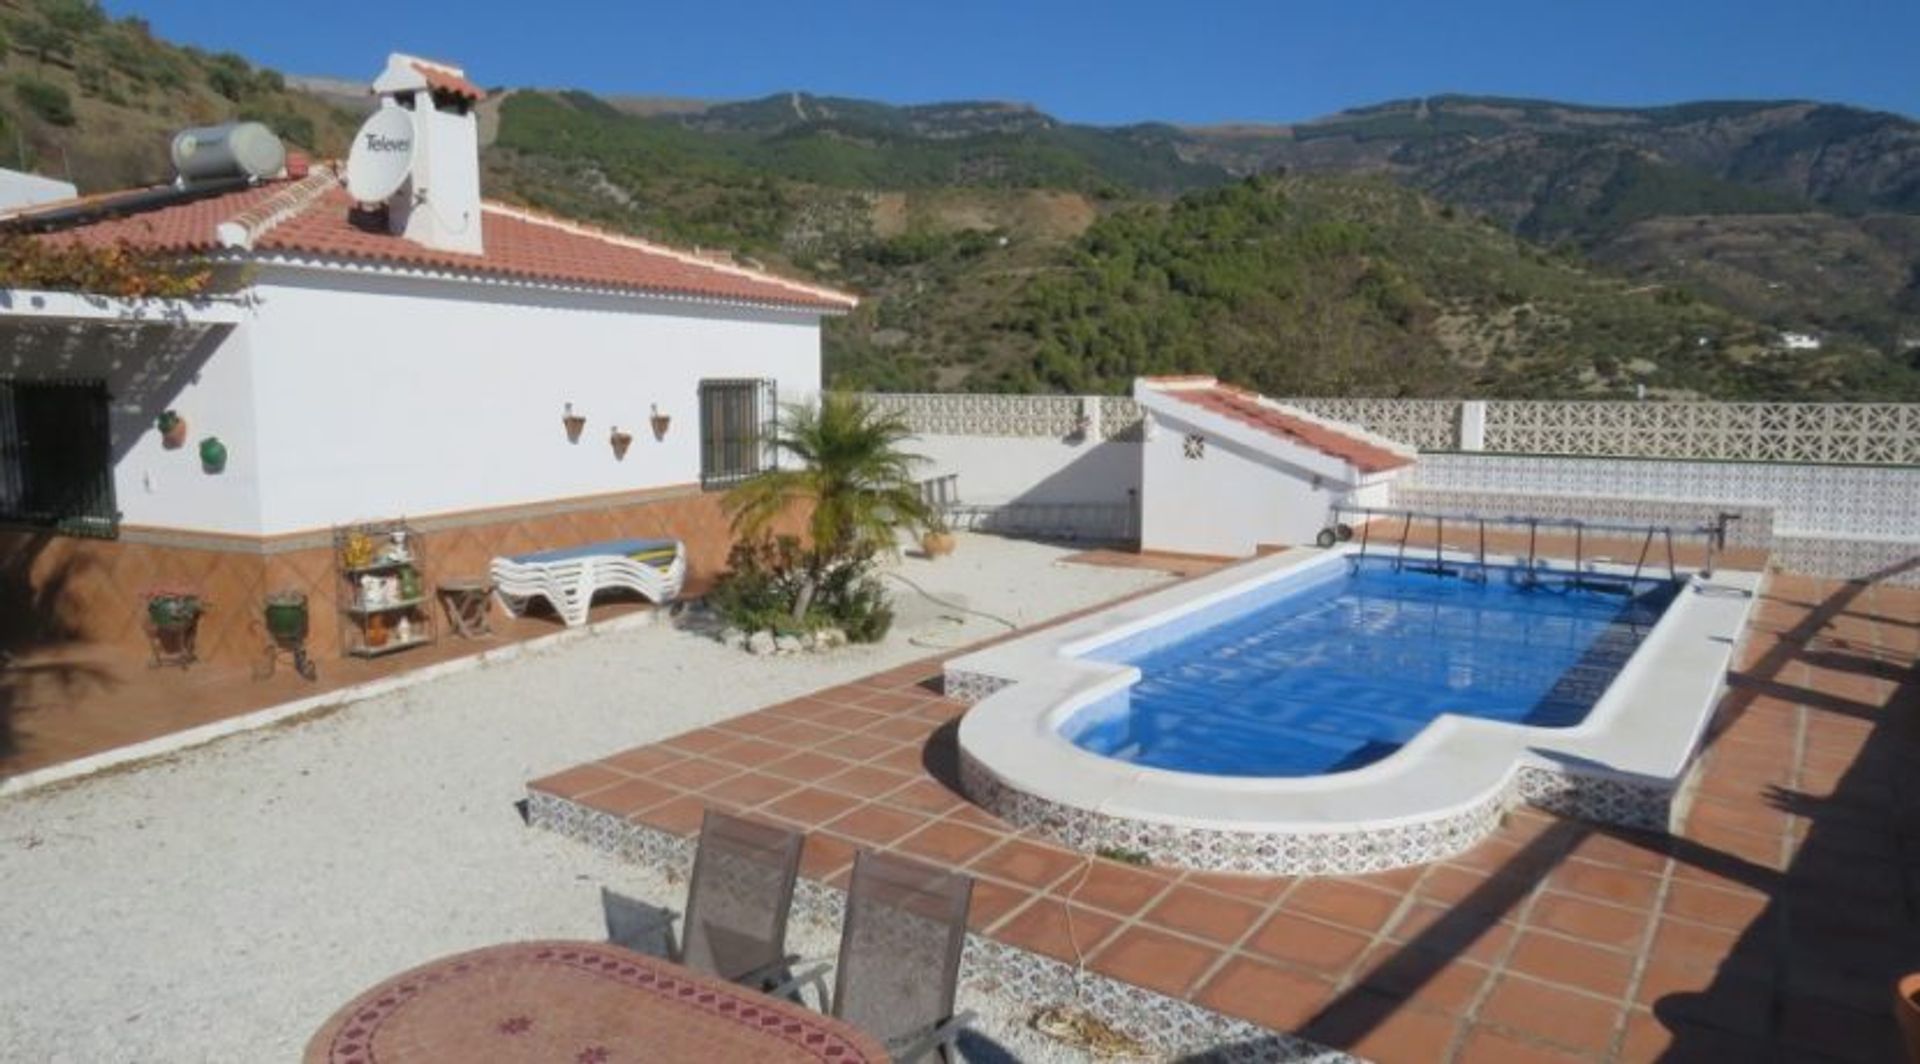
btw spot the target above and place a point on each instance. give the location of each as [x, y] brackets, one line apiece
[1118, 61]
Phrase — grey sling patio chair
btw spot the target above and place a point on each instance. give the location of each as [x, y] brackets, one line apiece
[738, 898]
[900, 947]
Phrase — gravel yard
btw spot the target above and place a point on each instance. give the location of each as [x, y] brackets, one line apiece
[218, 905]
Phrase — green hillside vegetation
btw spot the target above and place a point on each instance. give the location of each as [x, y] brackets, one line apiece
[849, 144]
[1343, 286]
[96, 99]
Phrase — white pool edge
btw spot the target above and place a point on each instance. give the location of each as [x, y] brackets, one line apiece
[1439, 795]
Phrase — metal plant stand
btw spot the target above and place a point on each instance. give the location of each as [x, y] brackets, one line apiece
[286, 631]
[173, 644]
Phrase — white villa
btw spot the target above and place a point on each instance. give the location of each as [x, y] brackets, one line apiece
[425, 357]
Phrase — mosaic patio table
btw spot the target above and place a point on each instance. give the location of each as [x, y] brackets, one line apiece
[575, 1001]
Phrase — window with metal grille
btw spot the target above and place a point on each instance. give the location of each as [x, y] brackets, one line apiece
[736, 430]
[56, 456]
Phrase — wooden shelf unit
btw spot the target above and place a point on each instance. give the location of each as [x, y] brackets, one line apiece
[357, 617]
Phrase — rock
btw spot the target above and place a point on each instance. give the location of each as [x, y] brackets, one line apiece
[828, 638]
[809, 641]
[732, 638]
[761, 642]
[787, 644]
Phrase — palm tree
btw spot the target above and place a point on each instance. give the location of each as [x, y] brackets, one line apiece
[849, 468]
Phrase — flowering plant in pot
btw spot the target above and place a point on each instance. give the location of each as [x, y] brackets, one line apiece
[173, 608]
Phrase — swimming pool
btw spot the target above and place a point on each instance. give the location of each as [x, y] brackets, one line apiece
[1315, 712]
[1341, 672]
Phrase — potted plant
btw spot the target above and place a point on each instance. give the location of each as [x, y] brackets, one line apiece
[173, 430]
[173, 613]
[287, 616]
[937, 541]
[660, 422]
[574, 424]
[621, 441]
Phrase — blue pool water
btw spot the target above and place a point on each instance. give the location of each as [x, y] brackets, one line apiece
[1340, 671]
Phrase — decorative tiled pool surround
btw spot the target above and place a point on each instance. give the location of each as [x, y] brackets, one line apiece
[1590, 797]
[1566, 786]
[1163, 1023]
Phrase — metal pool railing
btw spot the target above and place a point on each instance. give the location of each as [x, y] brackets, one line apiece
[1715, 534]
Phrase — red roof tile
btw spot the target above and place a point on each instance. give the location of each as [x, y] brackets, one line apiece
[310, 217]
[1246, 407]
[440, 79]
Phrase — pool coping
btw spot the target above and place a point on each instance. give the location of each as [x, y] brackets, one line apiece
[1439, 795]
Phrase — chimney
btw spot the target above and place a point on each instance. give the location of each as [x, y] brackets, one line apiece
[439, 204]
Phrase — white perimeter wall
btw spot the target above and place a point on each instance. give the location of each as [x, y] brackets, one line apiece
[346, 397]
[1000, 470]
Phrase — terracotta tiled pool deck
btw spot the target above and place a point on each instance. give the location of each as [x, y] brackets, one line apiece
[1770, 928]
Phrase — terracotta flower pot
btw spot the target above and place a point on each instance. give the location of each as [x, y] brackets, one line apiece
[173, 431]
[621, 441]
[1906, 1009]
[574, 424]
[660, 424]
[937, 544]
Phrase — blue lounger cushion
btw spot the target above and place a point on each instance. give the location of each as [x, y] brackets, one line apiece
[650, 550]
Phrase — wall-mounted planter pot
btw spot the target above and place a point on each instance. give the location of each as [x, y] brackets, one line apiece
[621, 441]
[173, 430]
[661, 422]
[574, 424]
[213, 455]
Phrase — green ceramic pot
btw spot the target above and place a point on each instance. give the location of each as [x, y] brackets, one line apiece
[287, 615]
[213, 454]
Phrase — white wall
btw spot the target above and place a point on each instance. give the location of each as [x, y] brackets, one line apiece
[204, 371]
[382, 395]
[996, 470]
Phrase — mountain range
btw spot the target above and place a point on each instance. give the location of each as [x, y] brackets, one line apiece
[1450, 243]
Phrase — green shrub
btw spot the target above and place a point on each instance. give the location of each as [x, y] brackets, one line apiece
[765, 577]
[45, 99]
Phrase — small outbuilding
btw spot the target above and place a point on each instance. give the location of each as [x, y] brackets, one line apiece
[1226, 472]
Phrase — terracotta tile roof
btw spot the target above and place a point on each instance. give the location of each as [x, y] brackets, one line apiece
[311, 217]
[441, 79]
[1250, 409]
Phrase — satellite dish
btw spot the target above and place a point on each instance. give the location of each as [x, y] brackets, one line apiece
[381, 157]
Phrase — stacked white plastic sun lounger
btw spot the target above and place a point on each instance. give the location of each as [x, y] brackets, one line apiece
[567, 578]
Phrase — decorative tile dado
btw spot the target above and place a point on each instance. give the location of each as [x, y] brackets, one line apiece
[1106, 522]
[1165, 1024]
[969, 687]
[1754, 527]
[1225, 850]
